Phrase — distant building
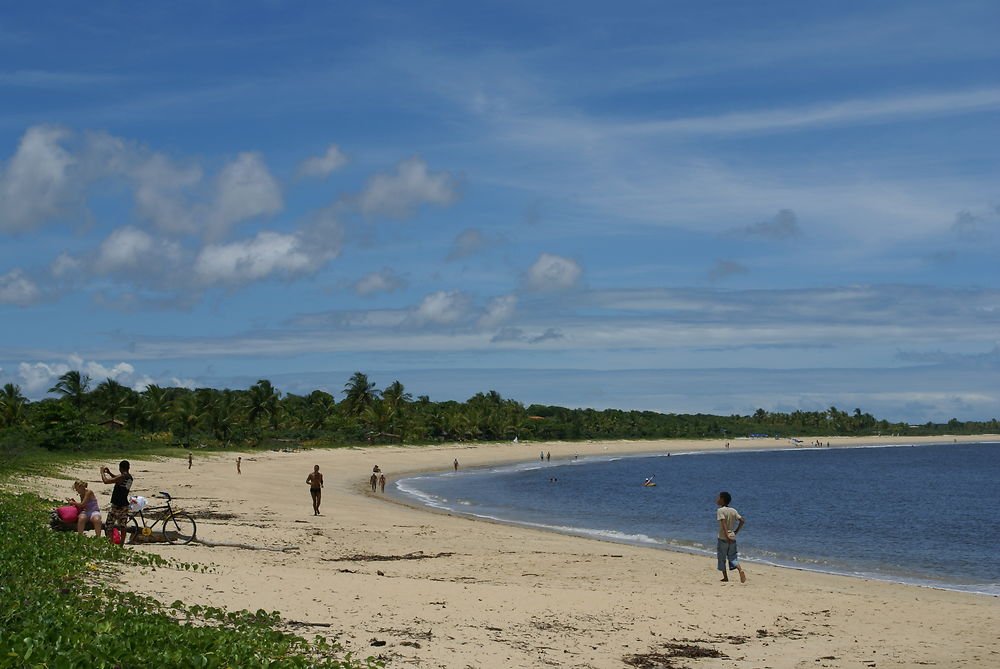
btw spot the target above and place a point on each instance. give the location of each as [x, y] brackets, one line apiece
[112, 424]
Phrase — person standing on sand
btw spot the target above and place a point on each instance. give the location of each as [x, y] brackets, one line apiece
[189, 461]
[730, 523]
[315, 481]
[381, 482]
[118, 513]
[239, 460]
[456, 464]
[373, 481]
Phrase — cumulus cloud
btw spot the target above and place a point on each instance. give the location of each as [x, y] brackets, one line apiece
[321, 166]
[383, 281]
[266, 254]
[783, 225]
[244, 189]
[552, 273]
[161, 194]
[36, 183]
[131, 251]
[269, 254]
[466, 243]
[64, 265]
[724, 268]
[35, 378]
[17, 289]
[398, 194]
[442, 308]
[499, 310]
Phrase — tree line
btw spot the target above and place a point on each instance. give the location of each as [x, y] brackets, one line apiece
[80, 412]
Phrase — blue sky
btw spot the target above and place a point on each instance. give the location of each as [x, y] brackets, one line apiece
[641, 205]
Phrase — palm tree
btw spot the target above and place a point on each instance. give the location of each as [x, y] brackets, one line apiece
[112, 397]
[359, 393]
[154, 406]
[262, 403]
[73, 386]
[185, 416]
[221, 412]
[319, 407]
[12, 404]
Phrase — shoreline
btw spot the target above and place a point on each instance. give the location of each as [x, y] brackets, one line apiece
[446, 591]
[412, 499]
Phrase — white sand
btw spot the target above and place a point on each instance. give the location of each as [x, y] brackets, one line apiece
[490, 595]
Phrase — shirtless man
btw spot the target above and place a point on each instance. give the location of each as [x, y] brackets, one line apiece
[315, 481]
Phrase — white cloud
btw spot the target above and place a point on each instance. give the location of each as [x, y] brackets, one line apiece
[18, 289]
[843, 112]
[63, 265]
[552, 273]
[322, 166]
[244, 189]
[500, 310]
[442, 308]
[398, 195]
[159, 194]
[267, 254]
[383, 281]
[37, 377]
[130, 250]
[36, 183]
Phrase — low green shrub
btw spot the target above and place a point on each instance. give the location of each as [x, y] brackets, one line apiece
[57, 610]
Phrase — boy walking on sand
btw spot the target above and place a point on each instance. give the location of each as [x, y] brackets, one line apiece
[730, 523]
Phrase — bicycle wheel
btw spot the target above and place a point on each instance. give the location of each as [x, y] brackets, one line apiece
[132, 530]
[179, 528]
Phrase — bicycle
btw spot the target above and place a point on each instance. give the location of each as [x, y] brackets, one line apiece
[176, 525]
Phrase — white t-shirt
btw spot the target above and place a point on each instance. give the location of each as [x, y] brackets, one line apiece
[731, 516]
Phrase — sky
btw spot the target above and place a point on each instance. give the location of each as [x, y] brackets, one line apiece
[678, 207]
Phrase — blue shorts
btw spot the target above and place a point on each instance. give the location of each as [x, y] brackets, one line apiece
[726, 552]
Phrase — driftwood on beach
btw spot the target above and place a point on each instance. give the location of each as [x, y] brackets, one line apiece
[213, 544]
[418, 555]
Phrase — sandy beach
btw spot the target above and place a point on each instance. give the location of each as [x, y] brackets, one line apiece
[437, 590]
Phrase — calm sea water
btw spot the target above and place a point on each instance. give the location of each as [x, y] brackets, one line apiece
[918, 514]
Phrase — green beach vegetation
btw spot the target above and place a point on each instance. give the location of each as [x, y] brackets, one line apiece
[111, 419]
[60, 607]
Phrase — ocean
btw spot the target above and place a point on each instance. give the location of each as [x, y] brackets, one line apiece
[916, 514]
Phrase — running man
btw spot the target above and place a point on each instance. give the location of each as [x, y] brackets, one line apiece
[315, 481]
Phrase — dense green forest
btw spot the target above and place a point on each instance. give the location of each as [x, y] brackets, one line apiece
[81, 415]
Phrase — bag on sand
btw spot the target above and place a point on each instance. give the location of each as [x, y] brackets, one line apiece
[116, 537]
[68, 513]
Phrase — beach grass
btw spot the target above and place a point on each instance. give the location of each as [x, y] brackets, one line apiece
[60, 607]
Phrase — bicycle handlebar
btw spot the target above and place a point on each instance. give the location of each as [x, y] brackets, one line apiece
[166, 495]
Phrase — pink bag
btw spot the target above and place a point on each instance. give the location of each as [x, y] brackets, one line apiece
[68, 513]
